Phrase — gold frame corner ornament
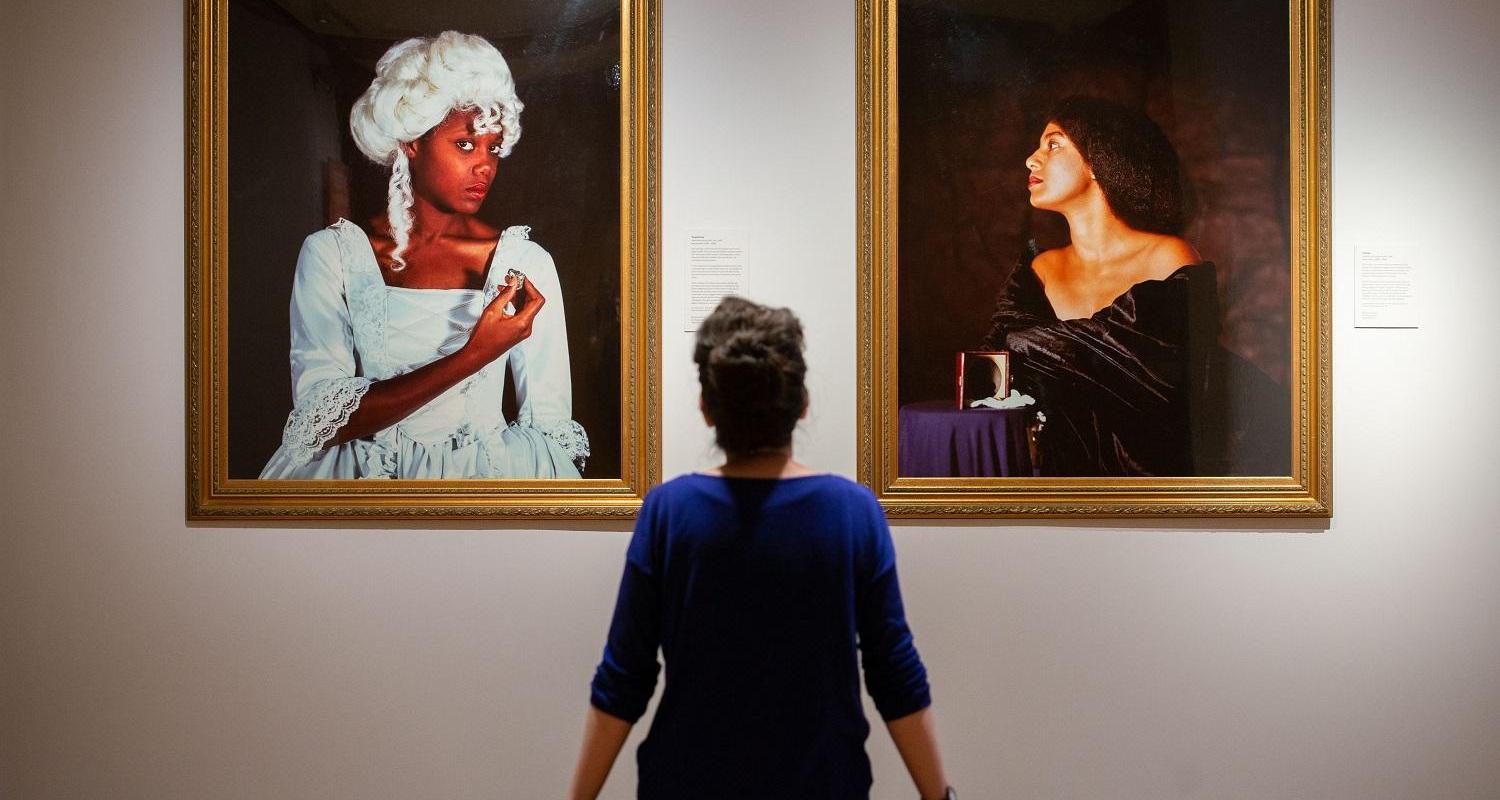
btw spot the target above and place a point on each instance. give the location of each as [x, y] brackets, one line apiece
[1307, 492]
[211, 496]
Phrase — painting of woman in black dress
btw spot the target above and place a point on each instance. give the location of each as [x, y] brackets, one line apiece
[1116, 332]
[1101, 189]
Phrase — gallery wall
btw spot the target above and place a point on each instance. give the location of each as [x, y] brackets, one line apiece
[144, 658]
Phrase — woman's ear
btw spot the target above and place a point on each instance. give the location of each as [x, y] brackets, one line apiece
[703, 409]
[806, 401]
[409, 148]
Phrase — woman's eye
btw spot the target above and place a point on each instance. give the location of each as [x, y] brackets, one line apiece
[465, 145]
[1051, 146]
[494, 149]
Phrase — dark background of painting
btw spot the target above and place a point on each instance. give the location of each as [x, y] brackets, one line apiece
[975, 81]
[290, 90]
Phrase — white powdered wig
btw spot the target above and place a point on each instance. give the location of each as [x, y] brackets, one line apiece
[417, 83]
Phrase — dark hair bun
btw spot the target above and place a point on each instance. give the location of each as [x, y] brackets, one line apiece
[751, 371]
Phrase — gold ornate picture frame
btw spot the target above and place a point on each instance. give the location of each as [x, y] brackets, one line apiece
[270, 159]
[953, 98]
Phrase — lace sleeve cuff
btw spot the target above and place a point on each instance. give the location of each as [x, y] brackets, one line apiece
[325, 408]
[570, 437]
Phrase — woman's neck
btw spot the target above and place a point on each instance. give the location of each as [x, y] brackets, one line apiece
[770, 462]
[430, 223]
[1099, 237]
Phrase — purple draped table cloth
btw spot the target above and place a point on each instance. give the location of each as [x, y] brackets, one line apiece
[936, 440]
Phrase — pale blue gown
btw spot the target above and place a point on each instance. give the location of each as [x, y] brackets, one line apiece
[349, 330]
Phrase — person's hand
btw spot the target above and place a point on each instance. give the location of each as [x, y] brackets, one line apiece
[497, 331]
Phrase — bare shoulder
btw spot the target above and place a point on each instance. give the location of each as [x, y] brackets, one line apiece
[1170, 253]
[1050, 265]
[469, 248]
[476, 228]
[473, 243]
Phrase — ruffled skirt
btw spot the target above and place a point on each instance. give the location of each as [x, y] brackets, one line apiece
[514, 451]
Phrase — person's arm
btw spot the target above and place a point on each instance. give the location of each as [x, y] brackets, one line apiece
[541, 365]
[894, 673]
[331, 403]
[916, 740]
[389, 401]
[603, 736]
[626, 676]
[1016, 306]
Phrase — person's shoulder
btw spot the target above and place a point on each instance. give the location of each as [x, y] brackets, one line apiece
[1049, 264]
[678, 503]
[322, 250]
[343, 233]
[843, 490]
[851, 508]
[674, 485]
[522, 250]
[842, 483]
[471, 242]
[1169, 253]
[518, 239]
[682, 487]
[325, 238]
[479, 230]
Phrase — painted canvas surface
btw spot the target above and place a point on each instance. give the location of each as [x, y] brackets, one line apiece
[422, 243]
[295, 72]
[1124, 196]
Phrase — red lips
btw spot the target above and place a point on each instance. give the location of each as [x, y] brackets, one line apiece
[1032, 181]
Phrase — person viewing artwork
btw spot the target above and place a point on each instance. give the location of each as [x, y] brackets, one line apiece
[765, 585]
[1115, 334]
[403, 329]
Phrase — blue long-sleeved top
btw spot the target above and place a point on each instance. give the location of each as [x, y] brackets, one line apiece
[763, 596]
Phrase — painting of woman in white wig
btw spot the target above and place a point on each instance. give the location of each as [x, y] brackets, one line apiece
[418, 290]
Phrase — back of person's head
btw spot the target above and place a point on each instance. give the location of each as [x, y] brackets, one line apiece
[751, 372]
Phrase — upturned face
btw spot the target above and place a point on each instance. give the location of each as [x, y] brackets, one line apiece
[452, 167]
[1056, 171]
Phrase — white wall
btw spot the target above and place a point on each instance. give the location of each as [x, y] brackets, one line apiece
[142, 658]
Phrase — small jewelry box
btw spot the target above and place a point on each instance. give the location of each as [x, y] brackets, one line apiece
[981, 375]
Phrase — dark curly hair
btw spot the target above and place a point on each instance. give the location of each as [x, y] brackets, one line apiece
[1131, 159]
[751, 371]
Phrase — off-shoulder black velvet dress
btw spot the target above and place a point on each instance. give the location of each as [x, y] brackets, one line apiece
[1126, 391]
